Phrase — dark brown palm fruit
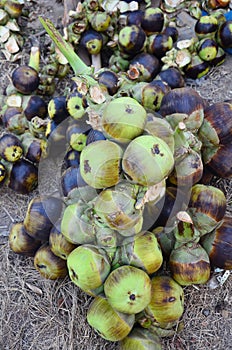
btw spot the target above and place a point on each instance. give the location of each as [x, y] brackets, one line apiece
[33, 147]
[57, 110]
[25, 79]
[20, 242]
[72, 158]
[94, 135]
[172, 32]
[109, 79]
[34, 106]
[218, 244]
[173, 77]
[14, 120]
[159, 44]
[58, 243]
[3, 173]
[76, 135]
[76, 104]
[69, 180]
[207, 49]
[206, 26]
[197, 68]
[11, 148]
[134, 17]
[143, 67]
[92, 41]
[153, 20]
[23, 177]
[220, 58]
[42, 213]
[131, 39]
[48, 264]
[224, 35]
[184, 100]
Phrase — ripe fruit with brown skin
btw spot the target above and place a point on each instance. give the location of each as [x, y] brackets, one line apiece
[20, 242]
[25, 79]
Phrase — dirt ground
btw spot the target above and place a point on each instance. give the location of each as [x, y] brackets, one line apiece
[38, 314]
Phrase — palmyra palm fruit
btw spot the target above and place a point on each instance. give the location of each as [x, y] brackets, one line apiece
[142, 251]
[34, 105]
[197, 67]
[109, 79]
[215, 135]
[3, 173]
[173, 77]
[207, 207]
[131, 39]
[42, 213]
[147, 160]
[141, 339]
[57, 109]
[224, 34]
[143, 67]
[33, 147]
[77, 223]
[117, 209]
[206, 27]
[189, 264]
[108, 322]
[88, 268]
[11, 148]
[106, 238]
[207, 49]
[92, 41]
[123, 119]
[167, 300]
[128, 289]
[25, 79]
[59, 245]
[186, 101]
[48, 264]
[218, 244]
[153, 20]
[22, 176]
[20, 242]
[159, 127]
[99, 164]
[14, 120]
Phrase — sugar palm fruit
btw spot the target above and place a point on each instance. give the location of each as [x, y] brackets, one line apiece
[59, 245]
[128, 289]
[207, 207]
[106, 238]
[142, 251]
[20, 242]
[190, 264]
[42, 213]
[109, 323]
[117, 209]
[140, 339]
[88, 268]
[218, 244]
[147, 160]
[48, 264]
[123, 119]
[167, 300]
[76, 223]
[100, 164]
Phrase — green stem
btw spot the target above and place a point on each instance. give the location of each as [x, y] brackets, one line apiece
[78, 66]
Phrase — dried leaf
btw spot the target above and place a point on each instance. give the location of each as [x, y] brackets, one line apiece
[34, 289]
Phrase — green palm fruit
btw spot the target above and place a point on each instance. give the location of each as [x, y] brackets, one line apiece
[75, 104]
[128, 289]
[48, 264]
[99, 164]
[106, 238]
[147, 160]
[77, 223]
[159, 127]
[107, 322]
[207, 207]
[189, 264]
[123, 119]
[117, 209]
[141, 339]
[142, 251]
[88, 268]
[100, 20]
[167, 300]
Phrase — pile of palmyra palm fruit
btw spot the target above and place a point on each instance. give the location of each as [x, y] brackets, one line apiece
[135, 218]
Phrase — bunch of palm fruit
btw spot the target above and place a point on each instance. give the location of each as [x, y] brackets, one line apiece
[133, 199]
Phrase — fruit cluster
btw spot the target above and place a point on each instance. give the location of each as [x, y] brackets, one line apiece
[136, 218]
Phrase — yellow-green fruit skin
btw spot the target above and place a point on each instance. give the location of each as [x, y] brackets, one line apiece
[142, 251]
[128, 289]
[20, 242]
[167, 300]
[141, 339]
[88, 267]
[123, 119]
[107, 322]
[100, 164]
[147, 160]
